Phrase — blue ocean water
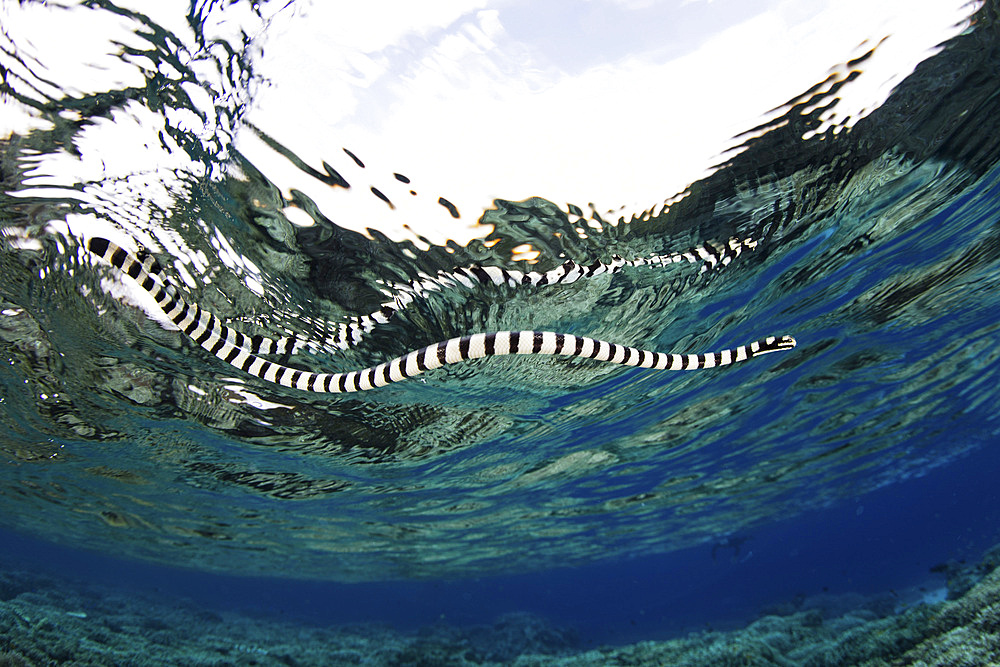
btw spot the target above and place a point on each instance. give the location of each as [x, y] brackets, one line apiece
[613, 505]
[883, 543]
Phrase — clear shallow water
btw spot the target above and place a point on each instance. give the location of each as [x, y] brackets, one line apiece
[876, 248]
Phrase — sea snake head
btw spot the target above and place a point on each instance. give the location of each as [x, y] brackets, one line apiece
[772, 344]
[245, 352]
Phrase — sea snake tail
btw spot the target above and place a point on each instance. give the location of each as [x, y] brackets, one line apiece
[196, 322]
[237, 349]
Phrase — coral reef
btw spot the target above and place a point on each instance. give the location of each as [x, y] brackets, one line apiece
[47, 621]
[962, 577]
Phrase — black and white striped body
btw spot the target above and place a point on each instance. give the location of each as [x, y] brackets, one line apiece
[244, 352]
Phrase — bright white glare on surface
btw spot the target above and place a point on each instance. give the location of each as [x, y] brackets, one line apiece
[471, 109]
[622, 103]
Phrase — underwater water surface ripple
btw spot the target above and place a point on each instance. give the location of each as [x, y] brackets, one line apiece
[876, 246]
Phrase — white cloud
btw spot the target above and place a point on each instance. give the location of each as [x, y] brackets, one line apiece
[469, 113]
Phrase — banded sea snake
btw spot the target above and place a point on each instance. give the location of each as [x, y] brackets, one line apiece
[243, 352]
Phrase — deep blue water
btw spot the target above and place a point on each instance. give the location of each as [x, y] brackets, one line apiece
[883, 543]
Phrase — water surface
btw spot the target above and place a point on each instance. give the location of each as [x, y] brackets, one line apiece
[875, 246]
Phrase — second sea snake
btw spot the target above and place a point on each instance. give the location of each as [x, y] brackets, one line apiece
[242, 351]
[350, 333]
